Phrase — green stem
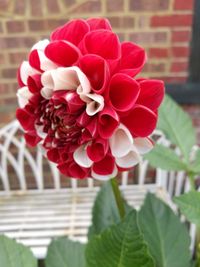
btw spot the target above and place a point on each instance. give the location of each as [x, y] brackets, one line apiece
[118, 197]
[192, 181]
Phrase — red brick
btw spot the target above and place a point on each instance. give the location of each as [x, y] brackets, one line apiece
[87, 7]
[183, 5]
[15, 26]
[171, 20]
[52, 6]
[17, 58]
[68, 3]
[148, 5]
[36, 8]
[148, 37]
[181, 36]
[1, 28]
[121, 22]
[37, 25]
[158, 52]
[117, 5]
[19, 42]
[180, 51]
[172, 79]
[2, 59]
[9, 73]
[4, 5]
[155, 67]
[179, 67]
[51, 24]
[20, 7]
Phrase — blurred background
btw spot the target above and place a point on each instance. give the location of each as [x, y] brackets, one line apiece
[163, 27]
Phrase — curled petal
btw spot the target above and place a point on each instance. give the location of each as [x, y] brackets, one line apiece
[121, 141]
[23, 95]
[81, 157]
[26, 119]
[108, 122]
[133, 58]
[105, 177]
[92, 127]
[103, 43]
[25, 71]
[104, 167]
[97, 71]
[97, 149]
[32, 139]
[129, 160]
[99, 23]
[40, 62]
[84, 119]
[34, 83]
[140, 121]
[53, 155]
[62, 53]
[151, 93]
[73, 31]
[46, 92]
[123, 92]
[95, 103]
[143, 145]
[74, 102]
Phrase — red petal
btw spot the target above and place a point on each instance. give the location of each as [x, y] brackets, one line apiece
[34, 83]
[151, 93]
[83, 119]
[92, 127]
[34, 60]
[97, 71]
[53, 155]
[77, 171]
[62, 53]
[123, 92]
[26, 119]
[32, 139]
[105, 166]
[141, 121]
[99, 23]
[133, 58]
[103, 43]
[108, 122]
[97, 150]
[73, 31]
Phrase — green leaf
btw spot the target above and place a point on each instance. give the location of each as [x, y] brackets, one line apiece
[13, 254]
[166, 236]
[189, 204]
[195, 167]
[177, 126]
[121, 245]
[165, 158]
[65, 253]
[105, 212]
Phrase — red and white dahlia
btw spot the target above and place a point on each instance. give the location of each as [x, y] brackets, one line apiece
[80, 100]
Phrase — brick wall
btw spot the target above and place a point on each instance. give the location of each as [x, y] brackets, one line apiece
[163, 27]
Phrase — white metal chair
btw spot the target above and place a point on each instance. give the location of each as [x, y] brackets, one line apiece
[37, 204]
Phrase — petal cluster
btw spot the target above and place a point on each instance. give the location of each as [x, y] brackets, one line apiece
[80, 100]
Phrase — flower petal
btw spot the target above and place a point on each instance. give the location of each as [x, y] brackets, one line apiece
[32, 139]
[133, 58]
[41, 45]
[105, 177]
[140, 121]
[95, 103]
[81, 157]
[99, 23]
[104, 167]
[97, 149]
[121, 141]
[151, 93]
[97, 71]
[62, 53]
[129, 160]
[23, 95]
[26, 119]
[34, 83]
[108, 122]
[143, 145]
[73, 31]
[123, 92]
[25, 71]
[46, 92]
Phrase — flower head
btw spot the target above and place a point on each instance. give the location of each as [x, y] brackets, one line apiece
[80, 100]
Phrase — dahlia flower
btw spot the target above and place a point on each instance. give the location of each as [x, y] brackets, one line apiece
[80, 100]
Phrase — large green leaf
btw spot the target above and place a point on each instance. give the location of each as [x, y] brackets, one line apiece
[65, 253]
[165, 158]
[13, 254]
[167, 238]
[189, 205]
[177, 126]
[105, 212]
[121, 245]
